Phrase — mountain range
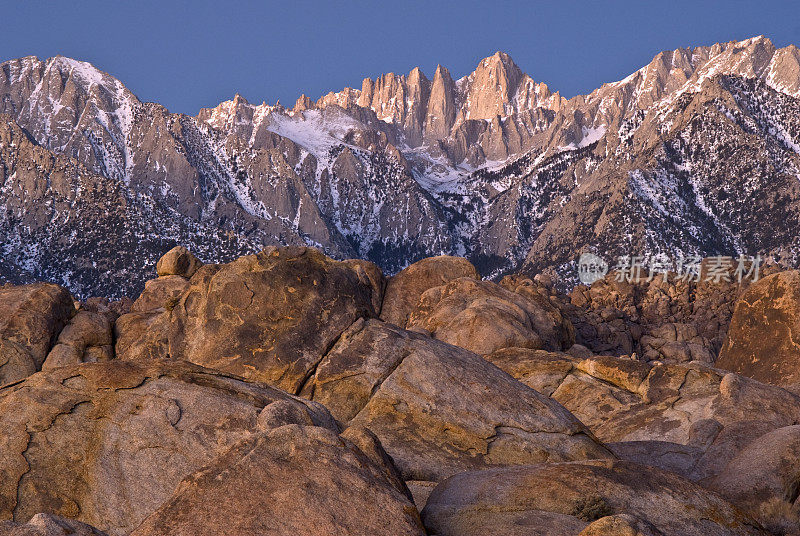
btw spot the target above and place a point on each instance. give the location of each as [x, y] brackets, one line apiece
[697, 152]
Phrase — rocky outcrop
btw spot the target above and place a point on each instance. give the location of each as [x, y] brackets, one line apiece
[87, 338]
[672, 320]
[676, 343]
[174, 270]
[141, 336]
[106, 443]
[392, 382]
[160, 293]
[48, 525]
[305, 480]
[690, 419]
[762, 341]
[267, 317]
[381, 421]
[482, 316]
[763, 479]
[405, 288]
[563, 498]
[31, 317]
[178, 261]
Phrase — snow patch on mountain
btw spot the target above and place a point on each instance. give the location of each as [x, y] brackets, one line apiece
[313, 130]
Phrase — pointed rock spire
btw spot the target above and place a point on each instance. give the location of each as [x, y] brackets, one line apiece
[441, 105]
[367, 91]
[303, 103]
[418, 89]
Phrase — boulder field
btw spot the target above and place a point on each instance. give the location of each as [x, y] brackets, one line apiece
[288, 393]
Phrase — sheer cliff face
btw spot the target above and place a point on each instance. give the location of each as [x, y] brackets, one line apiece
[697, 152]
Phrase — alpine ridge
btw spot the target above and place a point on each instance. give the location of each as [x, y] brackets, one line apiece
[697, 152]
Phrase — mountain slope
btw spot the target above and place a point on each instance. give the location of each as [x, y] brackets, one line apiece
[63, 223]
[697, 152]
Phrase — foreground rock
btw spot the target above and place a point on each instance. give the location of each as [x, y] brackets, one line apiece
[48, 525]
[106, 443]
[763, 479]
[267, 317]
[31, 317]
[690, 419]
[178, 261]
[86, 339]
[482, 316]
[562, 499]
[764, 337]
[620, 525]
[439, 409]
[160, 294]
[292, 480]
[406, 287]
[369, 272]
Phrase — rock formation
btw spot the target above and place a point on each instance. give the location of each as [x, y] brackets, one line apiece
[31, 318]
[763, 341]
[563, 498]
[108, 442]
[389, 381]
[296, 480]
[267, 317]
[431, 402]
[690, 419]
[404, 289]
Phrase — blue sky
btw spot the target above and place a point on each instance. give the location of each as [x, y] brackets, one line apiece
[188, 55]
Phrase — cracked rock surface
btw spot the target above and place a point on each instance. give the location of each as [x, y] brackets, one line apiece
[31, 317]
[391, 381]
[690, 419]
[763, 341]
[268, 317]
[107, 443]
[296, 480]
[563, 498]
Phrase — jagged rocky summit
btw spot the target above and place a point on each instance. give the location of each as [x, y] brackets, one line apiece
[697, 153]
